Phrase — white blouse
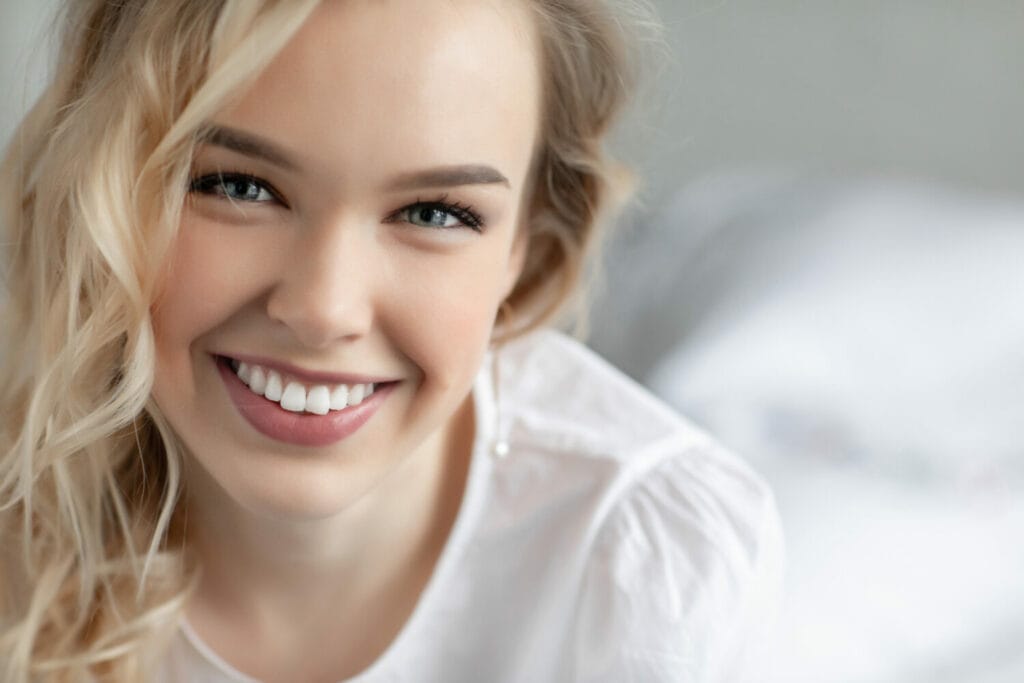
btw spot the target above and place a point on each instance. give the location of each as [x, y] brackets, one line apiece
[600, 538]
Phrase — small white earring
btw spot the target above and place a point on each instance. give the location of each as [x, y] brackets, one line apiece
[500, 449]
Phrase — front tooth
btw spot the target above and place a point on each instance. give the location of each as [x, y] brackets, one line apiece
[355, 394]
[318, 400]
[339, 397]
[258, 380]
[294, 397]
[244, 372]
[274, 389]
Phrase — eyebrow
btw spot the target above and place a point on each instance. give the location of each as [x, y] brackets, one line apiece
[450, 176]
[258, 147]
[246, 143]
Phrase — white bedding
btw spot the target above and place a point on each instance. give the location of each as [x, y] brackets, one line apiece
[862, 345]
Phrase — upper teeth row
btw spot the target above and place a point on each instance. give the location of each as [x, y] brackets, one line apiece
[296, 397]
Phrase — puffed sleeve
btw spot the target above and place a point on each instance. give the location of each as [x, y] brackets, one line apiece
[684, 578]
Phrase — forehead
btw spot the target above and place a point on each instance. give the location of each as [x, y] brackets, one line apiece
[397, 83]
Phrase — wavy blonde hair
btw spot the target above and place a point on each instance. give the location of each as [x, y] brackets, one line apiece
[93, 569]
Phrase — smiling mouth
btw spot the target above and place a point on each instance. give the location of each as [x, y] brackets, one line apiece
[297, 396]
[296, 412]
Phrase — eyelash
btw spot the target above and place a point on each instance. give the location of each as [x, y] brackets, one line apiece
[210, 183]
[213, 184]
[465, 214]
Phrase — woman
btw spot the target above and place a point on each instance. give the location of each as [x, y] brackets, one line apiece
[272, 404]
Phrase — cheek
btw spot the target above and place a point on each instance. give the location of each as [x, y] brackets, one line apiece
[210, 274]
[203, 284]
[179, 313]
[448, 312]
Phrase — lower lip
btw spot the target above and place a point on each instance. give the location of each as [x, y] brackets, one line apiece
[299, 429]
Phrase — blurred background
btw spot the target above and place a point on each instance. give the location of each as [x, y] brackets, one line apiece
[825, 270]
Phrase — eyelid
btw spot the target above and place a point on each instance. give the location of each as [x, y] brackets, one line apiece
[467, 216]
[223, 174]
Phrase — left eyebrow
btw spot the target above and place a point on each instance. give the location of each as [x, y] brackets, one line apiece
[246, 143]
[449, 176]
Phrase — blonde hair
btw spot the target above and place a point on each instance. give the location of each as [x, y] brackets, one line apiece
[93, 569]
[590, 75]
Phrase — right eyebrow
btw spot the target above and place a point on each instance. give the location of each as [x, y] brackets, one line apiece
[246, 143]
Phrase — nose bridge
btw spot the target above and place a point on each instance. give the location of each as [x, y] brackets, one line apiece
[325, 292]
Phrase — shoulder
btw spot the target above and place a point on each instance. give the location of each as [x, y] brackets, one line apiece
[670, 546]
[684, 565]
[564, 402]
[684, 577]
[557, 391]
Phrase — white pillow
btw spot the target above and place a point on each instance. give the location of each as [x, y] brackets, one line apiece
[882, 325]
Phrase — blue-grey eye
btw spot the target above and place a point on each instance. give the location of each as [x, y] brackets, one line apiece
[440, 214]
[237, 187]
[431, 216]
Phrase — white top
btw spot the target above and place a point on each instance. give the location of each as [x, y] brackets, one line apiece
[613, 542]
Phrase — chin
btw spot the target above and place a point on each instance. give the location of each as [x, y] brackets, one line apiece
[293, 499]
[293, 489]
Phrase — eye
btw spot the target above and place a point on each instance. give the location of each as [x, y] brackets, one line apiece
[439, 214]
[237, 187]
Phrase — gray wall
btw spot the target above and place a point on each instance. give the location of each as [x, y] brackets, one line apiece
[930, 88]
[24, 57]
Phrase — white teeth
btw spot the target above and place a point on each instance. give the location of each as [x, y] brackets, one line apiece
[355, 394]
[318, 401]
[339, 397]
[274, 390]
[294, 398]
[258, 380]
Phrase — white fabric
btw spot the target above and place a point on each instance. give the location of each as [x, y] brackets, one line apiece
[615, 542]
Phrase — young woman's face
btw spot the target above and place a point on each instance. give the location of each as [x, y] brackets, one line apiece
[354, 220]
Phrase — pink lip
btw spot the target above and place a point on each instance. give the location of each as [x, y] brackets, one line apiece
[308, 376]
[300, 429]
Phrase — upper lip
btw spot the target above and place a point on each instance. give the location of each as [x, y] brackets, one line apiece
[304, 375]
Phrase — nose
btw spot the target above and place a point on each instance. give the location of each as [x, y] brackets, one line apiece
[324, 293]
